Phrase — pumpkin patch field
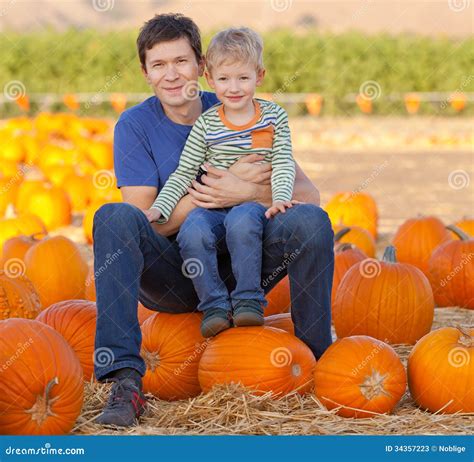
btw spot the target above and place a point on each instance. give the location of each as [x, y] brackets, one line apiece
[402, 361]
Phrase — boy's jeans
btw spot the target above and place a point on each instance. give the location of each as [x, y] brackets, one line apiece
[207, 232]
[132, 261]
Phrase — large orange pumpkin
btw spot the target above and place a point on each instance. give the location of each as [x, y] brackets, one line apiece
[263, 359]
[354, 209]
[390, 301]
[26, 189]
[144, 313]
[18, 297]
[51, 204]
[345, 256]
[16, 247]
[279, 300]
[105, 187]
[360, 376]
[416, 239]
[57, 269]
[451, 271]
[466, 225]
[172, 345]
[78, 188]
[57, 174]
[281, 321]
[41, 387]
[24, 224]
[441, 371]
[100, 153]
[11, 169]
[75, 320]
[53, 155]
[10, 145]
[356, 235]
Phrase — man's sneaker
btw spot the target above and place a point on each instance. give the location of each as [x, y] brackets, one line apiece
[215, 320]
[126, 403]
[248, 313]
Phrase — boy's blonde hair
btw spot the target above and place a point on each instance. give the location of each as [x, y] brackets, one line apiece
[235, 45]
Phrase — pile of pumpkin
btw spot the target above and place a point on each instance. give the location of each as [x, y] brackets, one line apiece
[51, 167]
[49, 317]
[48, 312]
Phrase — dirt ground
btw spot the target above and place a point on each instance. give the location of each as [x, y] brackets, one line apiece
[403, 184]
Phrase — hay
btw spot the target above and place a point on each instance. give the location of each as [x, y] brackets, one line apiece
[232, 410]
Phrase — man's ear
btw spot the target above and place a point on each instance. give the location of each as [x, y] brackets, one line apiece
[210, 80]
[201, 66]
[145, 74]
[260, 77]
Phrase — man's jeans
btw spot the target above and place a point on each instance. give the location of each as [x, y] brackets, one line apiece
[237, 231]
[132, 261]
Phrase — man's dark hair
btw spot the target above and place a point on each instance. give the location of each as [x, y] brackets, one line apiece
[166, 28]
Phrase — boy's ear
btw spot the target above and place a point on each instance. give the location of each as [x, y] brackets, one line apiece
[260, 77]
[209, 79]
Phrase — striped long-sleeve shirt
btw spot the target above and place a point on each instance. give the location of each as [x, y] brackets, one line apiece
[215, 140]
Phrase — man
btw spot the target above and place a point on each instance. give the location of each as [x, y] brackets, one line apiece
[149, 139]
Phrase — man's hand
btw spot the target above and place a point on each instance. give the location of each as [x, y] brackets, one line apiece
[152, 214]
[247, 169]
[280, 206]
[221, 189]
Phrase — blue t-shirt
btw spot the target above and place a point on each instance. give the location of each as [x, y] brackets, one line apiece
[148, 145]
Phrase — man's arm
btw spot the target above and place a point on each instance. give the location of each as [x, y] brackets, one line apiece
[144, 196]
[227, 189]
[305, 190]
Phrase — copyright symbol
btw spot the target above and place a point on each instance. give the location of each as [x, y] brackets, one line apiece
[434, 448]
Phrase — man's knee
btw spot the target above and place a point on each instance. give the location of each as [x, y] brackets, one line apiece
[308, 222]
[115, 215]
[312, 215]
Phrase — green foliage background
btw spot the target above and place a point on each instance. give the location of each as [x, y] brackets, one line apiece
[332, 65]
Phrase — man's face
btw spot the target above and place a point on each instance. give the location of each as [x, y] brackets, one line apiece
[172, 71]
[235, 83]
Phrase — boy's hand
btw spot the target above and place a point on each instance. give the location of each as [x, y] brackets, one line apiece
[280, 206]
[152, 214]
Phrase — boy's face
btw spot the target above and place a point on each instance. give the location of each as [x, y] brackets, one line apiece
[172, 71]
[235, 83]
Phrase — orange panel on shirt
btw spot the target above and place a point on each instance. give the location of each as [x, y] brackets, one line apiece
[263, 138]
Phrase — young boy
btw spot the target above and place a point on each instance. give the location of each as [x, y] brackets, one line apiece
[239, 126]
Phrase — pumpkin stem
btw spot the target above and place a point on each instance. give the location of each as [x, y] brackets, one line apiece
[390, 254]
[459, 232]
[344, 246]
[466, 338]
[41, 410]
[37, 236]
[372, 386]
[341, 233]
[152, 359]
